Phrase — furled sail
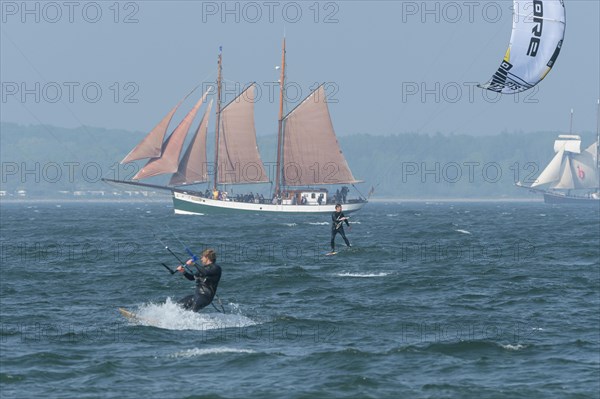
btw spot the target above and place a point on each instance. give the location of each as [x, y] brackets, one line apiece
[193, 166]
[151, 145]
[239, 159]
[311, 153]
[171, 149]
[568, 142]
[537, 37]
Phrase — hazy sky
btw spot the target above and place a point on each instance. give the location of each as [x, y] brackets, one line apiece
[125, 64]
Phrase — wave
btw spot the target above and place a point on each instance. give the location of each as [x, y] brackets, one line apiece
[463, 231]
[472, 346]
[348, 274]
[513, 347]
[171, 316]
[318, 223]
[208, 351]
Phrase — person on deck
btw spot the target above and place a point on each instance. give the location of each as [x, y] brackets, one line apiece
[207, 279]
[344, 193]
[338, 218]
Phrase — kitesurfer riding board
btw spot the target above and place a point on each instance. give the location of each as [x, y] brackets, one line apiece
[338, 219]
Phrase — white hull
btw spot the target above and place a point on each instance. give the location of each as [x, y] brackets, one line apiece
[187, 204]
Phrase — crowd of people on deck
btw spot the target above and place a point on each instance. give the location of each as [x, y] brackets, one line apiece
[340, 196]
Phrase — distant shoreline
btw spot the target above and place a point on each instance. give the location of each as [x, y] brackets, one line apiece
[81, 200]
[394, 200]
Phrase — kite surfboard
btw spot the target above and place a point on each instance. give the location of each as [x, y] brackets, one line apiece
[127, 314]
[134, 317]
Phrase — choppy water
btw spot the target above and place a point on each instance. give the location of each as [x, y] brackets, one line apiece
[464, 300]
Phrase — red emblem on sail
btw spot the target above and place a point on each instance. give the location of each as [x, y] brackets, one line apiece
[580, 173]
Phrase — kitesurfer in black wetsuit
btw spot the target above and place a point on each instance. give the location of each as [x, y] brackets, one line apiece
[338, 220]
[207, 278]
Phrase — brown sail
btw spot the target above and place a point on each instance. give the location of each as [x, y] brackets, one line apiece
[151, 145]
[171, 149]
[192, 168]
[239, 159]
[311, 153]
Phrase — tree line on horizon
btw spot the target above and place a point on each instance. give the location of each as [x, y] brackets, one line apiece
[45, 160]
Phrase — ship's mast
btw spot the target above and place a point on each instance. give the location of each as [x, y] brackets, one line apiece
[218, 112]
[571, 123]
[280, 130]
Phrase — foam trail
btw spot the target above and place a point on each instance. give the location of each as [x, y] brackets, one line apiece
[171, 316]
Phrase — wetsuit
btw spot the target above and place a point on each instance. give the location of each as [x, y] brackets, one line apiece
[207, 278]
[338, 227]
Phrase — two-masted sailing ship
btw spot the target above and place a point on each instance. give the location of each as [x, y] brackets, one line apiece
[573, 174]
[308, 157]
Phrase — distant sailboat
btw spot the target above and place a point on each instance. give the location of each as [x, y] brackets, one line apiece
[537, 37]
[308, 156]
[573, 175]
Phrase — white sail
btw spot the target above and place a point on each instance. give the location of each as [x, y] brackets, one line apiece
[569, 171]
[552, 172]
[537, 36]
[593, 150]
[585, 173]
[566, 177]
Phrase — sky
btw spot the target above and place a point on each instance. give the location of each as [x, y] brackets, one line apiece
[390, 67]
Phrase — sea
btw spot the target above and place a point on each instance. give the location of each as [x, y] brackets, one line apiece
[433, 300]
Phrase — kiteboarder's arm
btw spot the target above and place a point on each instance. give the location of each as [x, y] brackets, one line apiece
[187, 275]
